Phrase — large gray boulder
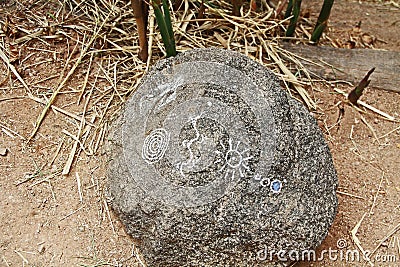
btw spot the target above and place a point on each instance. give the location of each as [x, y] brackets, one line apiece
[213, 164]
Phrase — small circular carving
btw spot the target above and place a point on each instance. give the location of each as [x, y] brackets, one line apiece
[155, 145]
[276, 186]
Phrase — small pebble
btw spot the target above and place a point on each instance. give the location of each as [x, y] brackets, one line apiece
[41, 248]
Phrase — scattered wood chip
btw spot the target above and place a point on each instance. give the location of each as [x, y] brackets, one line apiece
[3, 151]
[365, 105]
[357, 92]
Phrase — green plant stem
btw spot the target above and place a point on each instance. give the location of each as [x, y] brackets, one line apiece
[289, 9]
[322, 21]
[293, 21]
[165, 26]
[168, 23]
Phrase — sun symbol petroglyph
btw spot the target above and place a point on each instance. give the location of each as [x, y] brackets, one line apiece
[155, 145]
[234, 160]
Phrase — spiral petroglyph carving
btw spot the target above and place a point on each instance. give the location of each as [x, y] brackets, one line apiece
[155, 145]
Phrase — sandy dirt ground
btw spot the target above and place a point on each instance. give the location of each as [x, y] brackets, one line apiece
[49, 219]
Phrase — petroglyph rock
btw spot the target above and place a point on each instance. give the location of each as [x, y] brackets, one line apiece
[213, 164]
